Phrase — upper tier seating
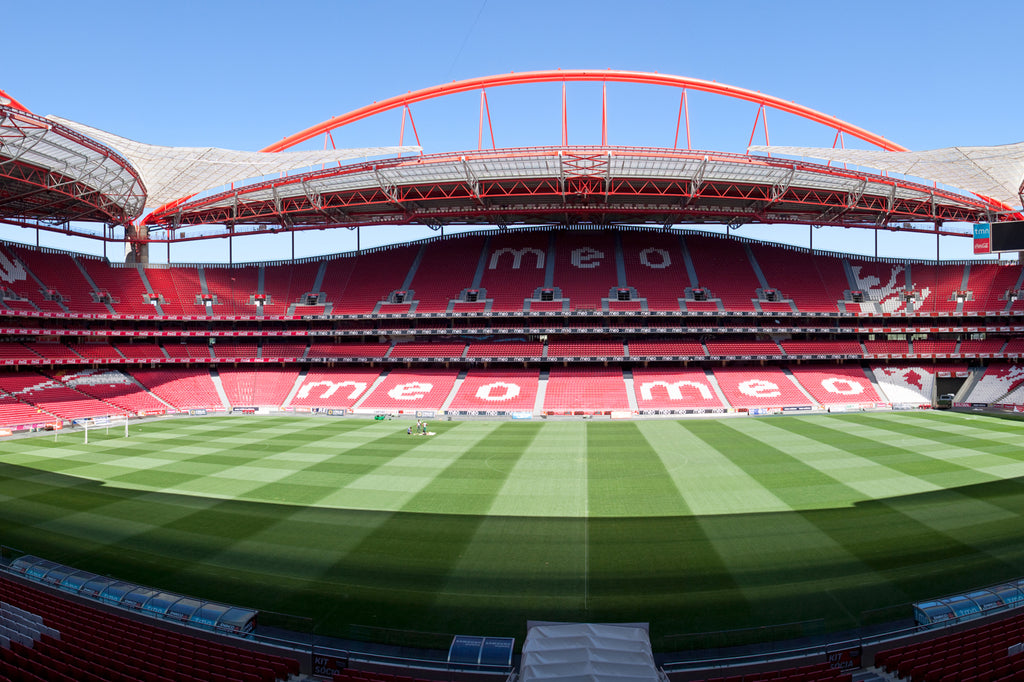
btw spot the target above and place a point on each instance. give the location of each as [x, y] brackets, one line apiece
[408, 390]
[585, 267]
[515, 268]
[937, 284]
[981, 346]
[184, 388]
[585, 389]
[814, 282]
[510, 390]
[243, 348]
[180, 288]
[198, 349]
[752, 387]
[882, 283]
[447, 267]
[233, 289]
[140, 350]
[988, 284]
[934, 347]
[679, 389]
[656, 268]
[356, 288]
[96, 351]
[724, 269]
[834, 385]
[59, 273]
[285, 284]
[333, 388]
[123, 284]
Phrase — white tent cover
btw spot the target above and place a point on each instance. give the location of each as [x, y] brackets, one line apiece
[995, 172]
[171, 173]
[585, 652]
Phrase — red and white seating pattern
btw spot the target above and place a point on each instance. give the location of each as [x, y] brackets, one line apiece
[833, 385]
[325, 387]
[54, 397]
[407, 390]
[116, 388]
[509, 390]
[683, 389]
[585, 267]
[999, 379]
[911, 385]
[753, 387]
[585, 389]
[515, 268]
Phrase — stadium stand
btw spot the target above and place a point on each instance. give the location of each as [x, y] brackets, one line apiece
[185, 389]
[446, 269]
[319, 349]
[123, 285]
[54, 397]
[641, 349]
[985, 652]
[81, 643]
[882, 283]
[937, 286]
[724, 268]
[515, 268]
[909, 384]
[989, 283]
[439, 349]
[283, 350]
[141, 350]
[197, 349]
[585, 390]
[371, 279]
[328, 388]
[580, 349]
[821, 347]
[252, 387]
[585, 267]
[674, 389]
[835, 385]
[506, 349]
[408, 390]
[878, 347]
[999, 379]
[815, 283]
[116, 388]
[508, 390]
[743, 348]
[232, 290]
[759, 387]
[655, 267]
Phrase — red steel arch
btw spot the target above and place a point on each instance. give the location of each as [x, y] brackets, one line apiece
[578, 75]
[8, 101]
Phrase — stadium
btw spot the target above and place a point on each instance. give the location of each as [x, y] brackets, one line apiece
[584, 401]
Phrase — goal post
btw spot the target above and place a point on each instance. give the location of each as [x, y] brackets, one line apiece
[116, 421]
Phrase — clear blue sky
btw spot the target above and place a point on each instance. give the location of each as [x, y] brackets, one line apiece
[241, 75]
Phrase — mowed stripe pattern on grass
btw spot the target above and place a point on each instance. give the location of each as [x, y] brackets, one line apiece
[692, 525]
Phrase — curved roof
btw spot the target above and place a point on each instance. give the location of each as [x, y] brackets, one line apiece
[172, 173]
[574, 184]
[53, 173]
[995, 172]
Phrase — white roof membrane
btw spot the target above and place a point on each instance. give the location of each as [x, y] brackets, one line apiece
[171, 173]
[995, 172]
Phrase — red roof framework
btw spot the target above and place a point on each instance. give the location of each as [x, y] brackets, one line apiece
[573, 184]
[51, 175]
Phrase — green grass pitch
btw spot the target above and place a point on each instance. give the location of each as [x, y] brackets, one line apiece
[693, 526]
